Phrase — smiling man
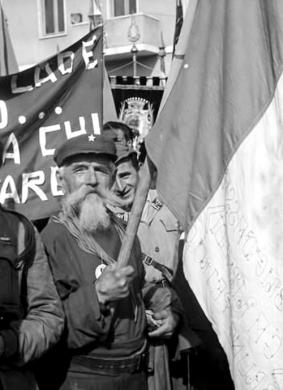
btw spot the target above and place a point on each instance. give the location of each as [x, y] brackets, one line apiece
[127, 176]
[158, 234]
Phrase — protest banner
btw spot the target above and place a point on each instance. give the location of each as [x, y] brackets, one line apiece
[40, 108]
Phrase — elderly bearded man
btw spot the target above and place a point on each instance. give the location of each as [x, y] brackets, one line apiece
[105, 314]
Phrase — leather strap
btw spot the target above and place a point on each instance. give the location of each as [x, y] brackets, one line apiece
[166, 272]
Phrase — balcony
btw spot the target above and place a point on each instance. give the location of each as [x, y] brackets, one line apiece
[117, 43]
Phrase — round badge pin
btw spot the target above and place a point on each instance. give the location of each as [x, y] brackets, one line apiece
[99, 269]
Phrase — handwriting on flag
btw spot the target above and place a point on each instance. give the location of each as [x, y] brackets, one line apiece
[233, 255]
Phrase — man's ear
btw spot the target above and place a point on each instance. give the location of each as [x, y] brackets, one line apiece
[60, 179]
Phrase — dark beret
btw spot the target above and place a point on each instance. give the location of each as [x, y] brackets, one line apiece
[85, 144]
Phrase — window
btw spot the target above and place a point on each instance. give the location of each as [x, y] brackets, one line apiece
[124, 7]
[76, 18]
[53, 17]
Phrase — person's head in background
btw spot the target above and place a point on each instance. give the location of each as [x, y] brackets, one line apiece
[119, 132]
[122, 134]
[127, 176]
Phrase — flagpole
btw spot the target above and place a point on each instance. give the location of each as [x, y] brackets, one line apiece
[135, 215]
[144, 182]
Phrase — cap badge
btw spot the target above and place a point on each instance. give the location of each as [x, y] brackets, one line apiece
[156, 204]
[91, 138]
[99, 269]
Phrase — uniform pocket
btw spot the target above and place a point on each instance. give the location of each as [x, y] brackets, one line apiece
[170, 224]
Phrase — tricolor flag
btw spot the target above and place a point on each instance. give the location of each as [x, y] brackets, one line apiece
[218, 147]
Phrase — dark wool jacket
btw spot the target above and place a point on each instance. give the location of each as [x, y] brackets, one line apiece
[91, 328]
[31, 315]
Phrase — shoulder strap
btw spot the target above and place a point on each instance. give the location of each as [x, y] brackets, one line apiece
[166, 272]
[29, 236]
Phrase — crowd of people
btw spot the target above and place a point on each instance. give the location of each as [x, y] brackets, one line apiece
[72, 318]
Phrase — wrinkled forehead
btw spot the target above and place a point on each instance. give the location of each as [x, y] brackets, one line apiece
[126, 165]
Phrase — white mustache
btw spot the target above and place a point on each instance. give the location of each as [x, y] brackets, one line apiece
[108, 197]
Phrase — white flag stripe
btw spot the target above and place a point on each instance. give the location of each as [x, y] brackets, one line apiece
[233, 258]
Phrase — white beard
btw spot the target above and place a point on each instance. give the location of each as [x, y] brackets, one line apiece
[93, 214]
[88, 207]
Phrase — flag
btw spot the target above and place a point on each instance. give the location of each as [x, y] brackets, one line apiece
[179, 51]
[185, 4]
[109, 110]
[218, 148]
[40, 109]
[8, 62]
[178, 23]
[94, 13]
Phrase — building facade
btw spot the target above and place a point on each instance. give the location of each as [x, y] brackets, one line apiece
[138, 41]
[40, 28]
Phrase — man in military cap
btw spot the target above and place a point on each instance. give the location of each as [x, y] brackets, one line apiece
[159, 230]
[159, 234]
[105, 336]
